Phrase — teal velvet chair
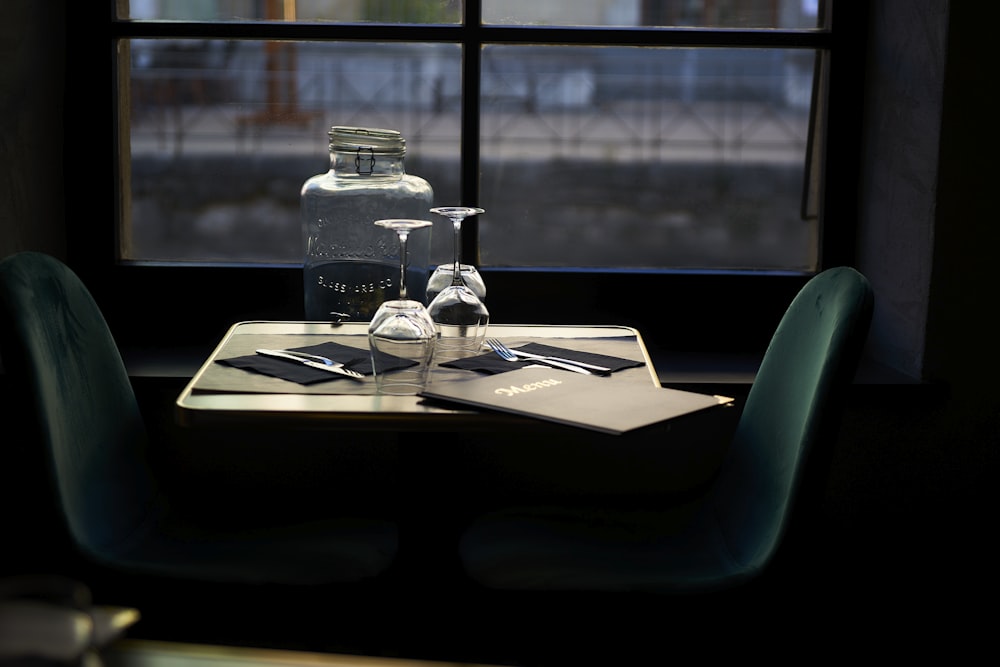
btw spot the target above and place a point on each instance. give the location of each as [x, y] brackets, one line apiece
[733, 532]
[60, 357]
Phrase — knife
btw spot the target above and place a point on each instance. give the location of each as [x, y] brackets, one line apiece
[558, 364]
[338, 368]
[544, 357]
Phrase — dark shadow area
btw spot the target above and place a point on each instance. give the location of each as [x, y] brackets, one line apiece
[894, 534]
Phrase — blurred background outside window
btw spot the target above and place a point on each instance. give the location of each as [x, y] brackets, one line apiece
[610, 156]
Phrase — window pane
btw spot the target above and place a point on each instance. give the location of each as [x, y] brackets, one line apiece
[224, 133]
[327, 11]
[786, 14]
[641, 157]
[602, 157]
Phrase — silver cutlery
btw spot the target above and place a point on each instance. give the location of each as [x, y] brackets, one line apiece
[313, 361]
[494, 343]
[506, 353]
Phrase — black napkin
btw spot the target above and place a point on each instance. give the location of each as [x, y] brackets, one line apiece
[491, 363]
[351, 357]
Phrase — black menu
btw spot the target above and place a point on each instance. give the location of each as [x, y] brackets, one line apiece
[593, 402]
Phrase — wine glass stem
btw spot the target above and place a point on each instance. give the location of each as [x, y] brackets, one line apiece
[402, 265]
[456, 276]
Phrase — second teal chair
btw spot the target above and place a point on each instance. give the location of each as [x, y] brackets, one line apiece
[794, 403]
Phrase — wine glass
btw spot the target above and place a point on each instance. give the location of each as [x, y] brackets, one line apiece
[458, 312]
[401, 335]
[442, 275]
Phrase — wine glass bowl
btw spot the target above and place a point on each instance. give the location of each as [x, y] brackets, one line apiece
[442, 277]
[461, 320]
[401, 335]
[458, 311]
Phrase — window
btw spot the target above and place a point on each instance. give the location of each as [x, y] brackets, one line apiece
[624, 150]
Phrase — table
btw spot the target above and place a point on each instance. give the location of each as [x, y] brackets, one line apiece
[416, 457]
[219, 395]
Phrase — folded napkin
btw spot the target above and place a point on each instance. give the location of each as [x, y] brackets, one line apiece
[491, 363]
[352, 358]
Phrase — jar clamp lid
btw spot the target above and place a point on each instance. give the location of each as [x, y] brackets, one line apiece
[372, 140]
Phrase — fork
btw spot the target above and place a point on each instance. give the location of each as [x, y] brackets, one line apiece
[506, 353]
[600, 370]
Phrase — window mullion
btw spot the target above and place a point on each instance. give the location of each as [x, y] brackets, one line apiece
[472, 49]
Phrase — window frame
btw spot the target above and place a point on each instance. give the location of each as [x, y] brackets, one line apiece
[719, 311]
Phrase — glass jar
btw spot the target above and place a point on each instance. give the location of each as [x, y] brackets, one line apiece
[351, 265]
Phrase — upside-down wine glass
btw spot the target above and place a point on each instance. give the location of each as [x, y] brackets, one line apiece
[401, 335]
[458, 312]
[442, 276]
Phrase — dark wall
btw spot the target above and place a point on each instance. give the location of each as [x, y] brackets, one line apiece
[31, 127]
[911, 481]
[962, 327]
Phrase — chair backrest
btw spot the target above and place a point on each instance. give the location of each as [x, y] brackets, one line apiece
[58, 351]
[795, 402]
